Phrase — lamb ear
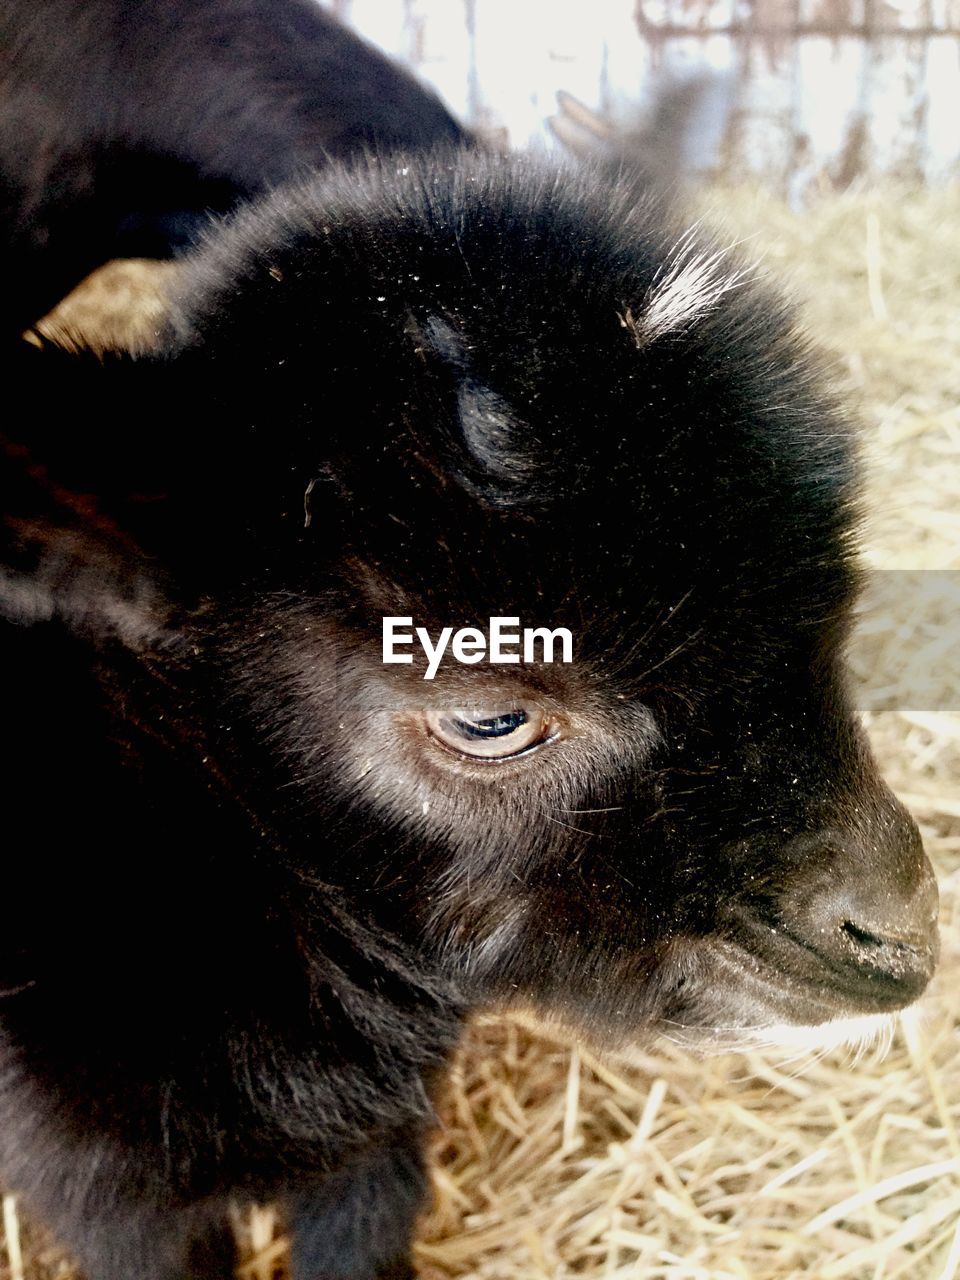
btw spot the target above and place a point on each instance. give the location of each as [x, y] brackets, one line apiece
[71, 474]
[60, 565]
[132, 486]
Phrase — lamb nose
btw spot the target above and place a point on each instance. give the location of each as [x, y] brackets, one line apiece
[882, 933]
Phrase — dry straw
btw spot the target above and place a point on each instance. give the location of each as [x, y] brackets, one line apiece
[555, 1163]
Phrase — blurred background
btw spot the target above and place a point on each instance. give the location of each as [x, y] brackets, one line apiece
[795, 91]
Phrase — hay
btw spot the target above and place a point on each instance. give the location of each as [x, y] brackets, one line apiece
[554, 1163]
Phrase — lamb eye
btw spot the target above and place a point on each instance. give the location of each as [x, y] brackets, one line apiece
[489, 733]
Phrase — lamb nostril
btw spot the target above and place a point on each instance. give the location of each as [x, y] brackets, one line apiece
[871, 924]
[867, 939]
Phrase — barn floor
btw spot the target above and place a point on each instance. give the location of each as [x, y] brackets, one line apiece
[557, 1164]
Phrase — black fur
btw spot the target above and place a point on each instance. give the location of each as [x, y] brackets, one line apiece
[252, 896]
[123, 122]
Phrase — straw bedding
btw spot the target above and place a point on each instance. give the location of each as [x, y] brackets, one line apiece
[554, 1163]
